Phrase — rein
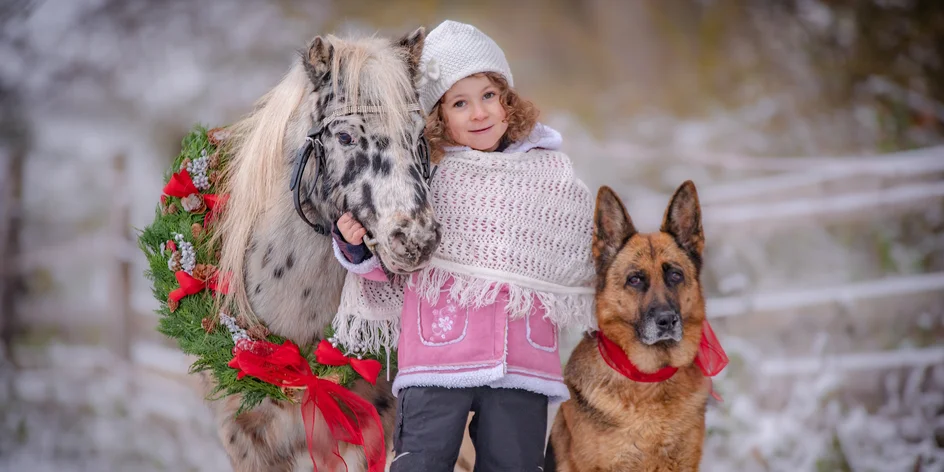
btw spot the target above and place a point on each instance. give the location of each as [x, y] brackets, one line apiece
[315, 146]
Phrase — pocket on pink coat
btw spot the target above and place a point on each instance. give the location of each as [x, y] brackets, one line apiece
[442, 324]
[541, 333]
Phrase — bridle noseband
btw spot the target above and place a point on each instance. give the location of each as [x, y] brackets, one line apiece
[315, 146]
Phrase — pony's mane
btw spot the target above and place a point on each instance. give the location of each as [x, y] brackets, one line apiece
[375, 73]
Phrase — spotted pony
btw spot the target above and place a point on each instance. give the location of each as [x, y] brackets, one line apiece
[340, 132]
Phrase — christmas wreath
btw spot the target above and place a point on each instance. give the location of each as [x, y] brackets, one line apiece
[243, 358]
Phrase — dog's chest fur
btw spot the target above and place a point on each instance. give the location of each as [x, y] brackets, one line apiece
[617, 424]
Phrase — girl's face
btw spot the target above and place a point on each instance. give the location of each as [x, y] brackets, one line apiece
[474, 114]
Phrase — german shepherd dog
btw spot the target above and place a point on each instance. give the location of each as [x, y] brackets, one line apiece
[637, 396]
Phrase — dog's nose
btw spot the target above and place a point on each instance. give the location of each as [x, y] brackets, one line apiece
[667, 320]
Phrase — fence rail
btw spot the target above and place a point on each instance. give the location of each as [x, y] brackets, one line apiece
[722, 307]
[854, 362]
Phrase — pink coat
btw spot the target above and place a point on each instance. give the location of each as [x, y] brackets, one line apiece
[444, 345]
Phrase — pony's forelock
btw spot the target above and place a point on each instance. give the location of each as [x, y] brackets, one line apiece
[375, 75]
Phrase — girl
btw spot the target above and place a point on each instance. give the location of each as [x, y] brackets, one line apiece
[478, 327]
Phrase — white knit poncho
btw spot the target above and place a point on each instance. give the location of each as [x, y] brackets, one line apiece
[521, 221]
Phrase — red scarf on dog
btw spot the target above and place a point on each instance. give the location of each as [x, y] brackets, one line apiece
[711, 359]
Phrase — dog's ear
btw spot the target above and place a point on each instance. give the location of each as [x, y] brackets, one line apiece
[683, 221]
[612, 227]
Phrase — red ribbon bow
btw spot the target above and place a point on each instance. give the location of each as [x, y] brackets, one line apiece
[711, 359]
[329, 355]
[218, 283]
[191, 286]
[284, 366]
[214, 204]
[180, 185]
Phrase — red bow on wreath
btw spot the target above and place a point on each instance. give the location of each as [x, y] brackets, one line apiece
[192, 286]
[214, 204]
[329, 355]
[358, 423]
[180, 185]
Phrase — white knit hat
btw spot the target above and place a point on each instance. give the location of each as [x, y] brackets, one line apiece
[453, 51]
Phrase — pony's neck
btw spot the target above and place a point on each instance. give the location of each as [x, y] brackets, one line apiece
[294, 282]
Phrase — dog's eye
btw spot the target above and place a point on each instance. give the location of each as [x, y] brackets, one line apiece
[675, 277]
[634, 281]
[345, 139]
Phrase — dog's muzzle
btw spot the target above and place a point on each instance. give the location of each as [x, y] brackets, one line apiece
[660, 326]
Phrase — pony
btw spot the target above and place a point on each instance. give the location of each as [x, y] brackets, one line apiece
[350, 105]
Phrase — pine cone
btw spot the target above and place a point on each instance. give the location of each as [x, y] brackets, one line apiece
[171, 209]
[242, 322]
[183, 164]
[193, 203]
[196, 230]
[218, 255]
[258, 332]
[172, 304]
[214, 160]
[216, 136]
[174, 262]
[207, 324]
[203, 272]
[214, 177]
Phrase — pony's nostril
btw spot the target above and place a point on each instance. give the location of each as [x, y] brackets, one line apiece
[398, 240]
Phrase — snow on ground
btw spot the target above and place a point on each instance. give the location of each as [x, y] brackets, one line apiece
[99, 77]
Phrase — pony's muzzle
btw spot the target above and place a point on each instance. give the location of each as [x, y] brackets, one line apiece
[410, 247]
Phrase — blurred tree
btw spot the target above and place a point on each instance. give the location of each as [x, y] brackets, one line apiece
[14, 144]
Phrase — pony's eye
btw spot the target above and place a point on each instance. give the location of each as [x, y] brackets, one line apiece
[345, 139]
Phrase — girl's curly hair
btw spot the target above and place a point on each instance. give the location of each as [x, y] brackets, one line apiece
[521, 115]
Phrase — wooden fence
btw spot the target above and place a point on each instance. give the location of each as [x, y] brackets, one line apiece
[827, 189]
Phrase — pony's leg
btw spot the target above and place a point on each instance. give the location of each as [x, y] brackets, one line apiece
[268, 437]
[271, 436]
[466, 460]
[381, 396]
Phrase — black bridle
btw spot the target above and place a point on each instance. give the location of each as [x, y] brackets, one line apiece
[314, 146]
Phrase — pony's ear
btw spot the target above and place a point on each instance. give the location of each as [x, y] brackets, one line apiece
[320, 53]
[413, 44]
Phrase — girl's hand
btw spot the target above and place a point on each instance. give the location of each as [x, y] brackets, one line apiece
[351, 230]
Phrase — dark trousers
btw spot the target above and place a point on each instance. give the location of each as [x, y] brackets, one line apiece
[507, 429]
